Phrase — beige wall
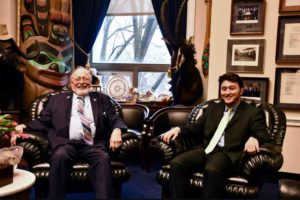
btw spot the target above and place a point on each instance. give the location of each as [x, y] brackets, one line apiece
[219, 36]
[8, 15]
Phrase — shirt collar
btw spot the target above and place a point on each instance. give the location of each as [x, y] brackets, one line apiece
[233, 108]
[75, 96]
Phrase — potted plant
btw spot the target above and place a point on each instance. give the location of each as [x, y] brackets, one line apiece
[9, 156]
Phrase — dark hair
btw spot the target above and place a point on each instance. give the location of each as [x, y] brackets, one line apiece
[232, 77]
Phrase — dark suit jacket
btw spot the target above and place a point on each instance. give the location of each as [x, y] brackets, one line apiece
[247, 121]
[54, 119]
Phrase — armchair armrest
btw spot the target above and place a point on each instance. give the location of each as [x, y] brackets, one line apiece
[181, 144]
[163, 148]
[35, 148]
[131, 142]
[268, 160]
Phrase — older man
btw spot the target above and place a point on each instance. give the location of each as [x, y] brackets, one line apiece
[74, 123]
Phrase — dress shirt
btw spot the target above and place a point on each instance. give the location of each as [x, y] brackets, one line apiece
[76, 130]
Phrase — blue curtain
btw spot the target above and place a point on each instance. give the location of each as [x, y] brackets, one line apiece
[172, 10]
[88, 16]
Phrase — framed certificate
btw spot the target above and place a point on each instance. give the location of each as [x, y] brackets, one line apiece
[287, 93]
[288, 39]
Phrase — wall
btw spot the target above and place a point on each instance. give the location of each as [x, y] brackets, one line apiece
[220, 33]
[8, 15]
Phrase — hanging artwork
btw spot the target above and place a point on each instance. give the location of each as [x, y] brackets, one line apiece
[45, 26]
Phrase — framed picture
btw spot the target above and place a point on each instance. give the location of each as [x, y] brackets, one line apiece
[289, 6]
[288, 39]
[287, 93]
[256, 88]
[247, 17]
[245, 56]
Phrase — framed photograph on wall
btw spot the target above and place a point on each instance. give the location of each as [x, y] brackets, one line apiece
[247, 17]
[288, 39]
[287, 93]
[245, 56]
[256, 88]
[289, 6]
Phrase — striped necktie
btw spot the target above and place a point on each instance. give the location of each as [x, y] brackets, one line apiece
[87, 133]
[220, 130]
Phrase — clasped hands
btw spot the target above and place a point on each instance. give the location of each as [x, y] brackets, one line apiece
[251, 146]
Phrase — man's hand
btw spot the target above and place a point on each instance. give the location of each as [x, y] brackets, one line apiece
[252, 146]
[115, 139]
[15, 134]
[170, 135]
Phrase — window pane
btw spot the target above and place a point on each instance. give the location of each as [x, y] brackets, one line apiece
[130, 39]
[153, 82]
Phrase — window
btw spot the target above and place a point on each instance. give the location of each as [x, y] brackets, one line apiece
[129, 50]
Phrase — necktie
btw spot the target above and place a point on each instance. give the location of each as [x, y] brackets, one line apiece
[221, 127]
[87, 133]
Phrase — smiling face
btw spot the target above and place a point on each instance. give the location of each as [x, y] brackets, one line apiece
[80, 82]
[230, 92]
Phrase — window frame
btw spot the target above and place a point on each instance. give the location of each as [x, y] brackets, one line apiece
[135, 68]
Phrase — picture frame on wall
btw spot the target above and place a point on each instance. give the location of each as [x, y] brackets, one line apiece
[247, 17]
[287, 93]
[256, 88]
[289, 6]
[245, 56]
[288, 39]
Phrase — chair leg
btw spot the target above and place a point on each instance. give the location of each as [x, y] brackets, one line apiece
[148, 157]
[117, 190]
[165, 192]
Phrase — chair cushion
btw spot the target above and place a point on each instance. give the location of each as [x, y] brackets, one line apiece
[236, 186]
[80, 171]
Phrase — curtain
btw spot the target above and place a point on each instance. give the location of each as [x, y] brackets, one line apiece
[172, 10]
[88, 16]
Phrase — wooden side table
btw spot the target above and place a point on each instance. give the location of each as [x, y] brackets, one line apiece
[20, 187]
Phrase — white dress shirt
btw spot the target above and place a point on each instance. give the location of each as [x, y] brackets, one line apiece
[75, 129]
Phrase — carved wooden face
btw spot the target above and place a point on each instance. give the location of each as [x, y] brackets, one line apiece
[52, 66]
[42, 22]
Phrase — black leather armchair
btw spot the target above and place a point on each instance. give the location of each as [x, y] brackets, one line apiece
[36, 155]
[135, 115]
[248, 180]
[161, 121]
[289, 189]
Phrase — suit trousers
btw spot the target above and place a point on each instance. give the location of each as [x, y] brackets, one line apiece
[217, 166]
[65, 156]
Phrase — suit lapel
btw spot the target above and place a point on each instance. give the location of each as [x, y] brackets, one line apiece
[69, 98]
[95, 106]
[236, 115]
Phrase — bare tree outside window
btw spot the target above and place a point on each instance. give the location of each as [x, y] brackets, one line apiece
[133, 43]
